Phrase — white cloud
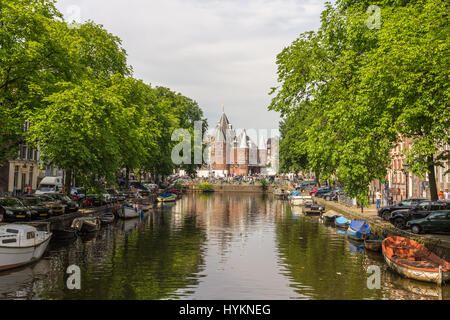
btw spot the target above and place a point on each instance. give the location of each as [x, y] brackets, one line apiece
[216, 52]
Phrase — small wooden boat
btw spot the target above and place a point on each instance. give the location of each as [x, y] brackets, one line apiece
[86, 224]
[21, 245]
[314, 209]
[412, 260]
[279, 193]
[107, 218]
[358, 230]
[373, 243]
[341, 222]
[167, 197]
[330, 216]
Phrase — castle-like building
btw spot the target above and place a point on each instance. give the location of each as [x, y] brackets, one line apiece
[231, 154]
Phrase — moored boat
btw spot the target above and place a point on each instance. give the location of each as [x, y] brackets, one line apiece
[299, 200]
[330, 216]
[107, 218]
[167, 197]
[412, 260]
[127, 211]
[373, 243]
[341, 222]
[314, 209]
[358, 230]
[21, 245]
[280, 193]
[86, 224]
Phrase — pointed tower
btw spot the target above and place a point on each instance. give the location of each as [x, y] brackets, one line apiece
[262, 152]
[243, 153]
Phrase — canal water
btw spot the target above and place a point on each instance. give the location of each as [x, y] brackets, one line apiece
[214, 246]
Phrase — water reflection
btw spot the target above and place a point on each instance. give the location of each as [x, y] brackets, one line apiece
[214, 246]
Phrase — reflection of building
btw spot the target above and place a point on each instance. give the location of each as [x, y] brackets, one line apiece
[237, 154]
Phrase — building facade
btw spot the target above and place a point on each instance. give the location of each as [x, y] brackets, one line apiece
[232, 154]
[401, 184]
[22, 171]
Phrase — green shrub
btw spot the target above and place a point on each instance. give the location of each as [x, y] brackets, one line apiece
[264, 184]
[205, 186]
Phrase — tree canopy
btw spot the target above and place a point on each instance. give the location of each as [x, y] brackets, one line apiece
[350, 91]
[87, 114]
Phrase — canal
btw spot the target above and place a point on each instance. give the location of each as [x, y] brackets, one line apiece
[214, 246]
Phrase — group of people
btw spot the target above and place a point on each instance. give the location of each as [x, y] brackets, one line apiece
[444, 195]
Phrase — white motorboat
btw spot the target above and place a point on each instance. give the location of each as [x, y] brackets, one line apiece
[300, 200]
[21, 245]
[129, 212]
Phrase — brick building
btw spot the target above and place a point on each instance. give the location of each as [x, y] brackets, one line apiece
[236, 154]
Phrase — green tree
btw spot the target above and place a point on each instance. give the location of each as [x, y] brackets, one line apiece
[363, 89]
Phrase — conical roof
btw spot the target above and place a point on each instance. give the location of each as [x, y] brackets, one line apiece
[262, 143]
[243, 139]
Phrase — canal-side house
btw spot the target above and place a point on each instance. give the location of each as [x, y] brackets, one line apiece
[20, 171]
[401, 184]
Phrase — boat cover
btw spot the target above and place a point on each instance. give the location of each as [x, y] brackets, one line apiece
[341, 220]
[166, 195]
[360, 226]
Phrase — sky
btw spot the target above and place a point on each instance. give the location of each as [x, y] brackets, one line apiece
[213, 51]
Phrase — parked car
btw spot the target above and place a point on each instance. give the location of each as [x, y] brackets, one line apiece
[399, 218]
[438, 221]
[13, 209]
[306, 184]
[56, 207]
[332, 195]
[321, 191]
[71, 206]
[36, 206]
[385, 212]
[78, 194]
[92, 200]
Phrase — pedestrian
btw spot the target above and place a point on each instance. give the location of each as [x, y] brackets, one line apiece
[378, 197]
[441, 194]
[446, 195]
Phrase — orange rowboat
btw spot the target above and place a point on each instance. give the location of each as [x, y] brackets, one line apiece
[412, 260]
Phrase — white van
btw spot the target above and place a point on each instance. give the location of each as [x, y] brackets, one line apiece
[50, 184]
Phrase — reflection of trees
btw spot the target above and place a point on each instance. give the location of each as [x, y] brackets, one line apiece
[149, 263]
[313, 258]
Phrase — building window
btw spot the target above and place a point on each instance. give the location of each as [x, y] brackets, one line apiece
[16, 176]
[30, 178]
[30, 153]
[24, 180]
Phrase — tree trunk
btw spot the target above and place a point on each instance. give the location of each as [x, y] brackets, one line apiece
[68, 181]
[432, 179]
[127, 178]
